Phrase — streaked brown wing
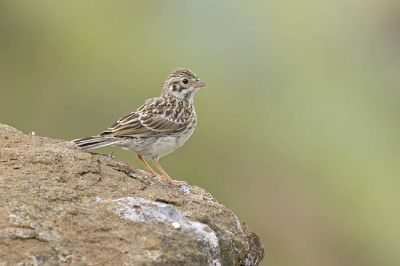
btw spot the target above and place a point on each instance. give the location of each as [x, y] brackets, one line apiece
[143, 123]
[126, 126]
[157, 123]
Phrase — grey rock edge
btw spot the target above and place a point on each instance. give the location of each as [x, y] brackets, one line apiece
[63, 206]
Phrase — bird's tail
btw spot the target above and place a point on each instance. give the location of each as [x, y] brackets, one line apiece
[94, 142]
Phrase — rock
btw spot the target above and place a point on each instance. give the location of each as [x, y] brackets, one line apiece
[63, 206]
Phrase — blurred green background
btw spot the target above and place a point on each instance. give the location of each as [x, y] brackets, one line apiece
[298, 127]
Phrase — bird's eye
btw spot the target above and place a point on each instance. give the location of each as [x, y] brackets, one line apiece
[185, 81]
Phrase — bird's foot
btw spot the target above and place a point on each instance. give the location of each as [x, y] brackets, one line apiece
[170, 181]
[179, 183]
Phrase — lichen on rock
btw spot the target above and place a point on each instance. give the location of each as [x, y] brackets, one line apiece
[63, 206]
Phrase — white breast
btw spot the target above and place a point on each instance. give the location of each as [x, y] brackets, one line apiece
[156, 147]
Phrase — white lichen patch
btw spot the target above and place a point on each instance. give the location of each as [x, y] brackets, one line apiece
[141, 210]
[184, 190]
[176, 225]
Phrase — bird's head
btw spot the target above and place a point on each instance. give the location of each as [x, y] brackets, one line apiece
[182, 83]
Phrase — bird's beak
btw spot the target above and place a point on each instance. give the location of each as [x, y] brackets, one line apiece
[199, 84]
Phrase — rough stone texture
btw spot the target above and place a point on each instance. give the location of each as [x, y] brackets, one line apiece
[63, 206]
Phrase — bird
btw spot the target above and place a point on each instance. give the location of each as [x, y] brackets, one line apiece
[158, 127]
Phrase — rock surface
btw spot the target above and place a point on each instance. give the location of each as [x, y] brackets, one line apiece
[63, 206]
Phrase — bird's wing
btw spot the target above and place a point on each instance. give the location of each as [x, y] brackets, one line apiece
[126, 126]
[145, 121]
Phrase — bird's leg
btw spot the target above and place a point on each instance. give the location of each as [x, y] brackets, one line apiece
[149, 170]
[165, 176]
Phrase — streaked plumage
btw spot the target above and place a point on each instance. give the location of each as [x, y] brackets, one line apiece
[159, 126]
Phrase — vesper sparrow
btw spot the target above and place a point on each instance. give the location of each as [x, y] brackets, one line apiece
[159, 126]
